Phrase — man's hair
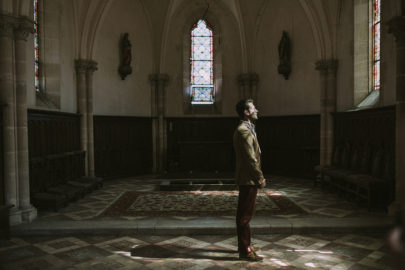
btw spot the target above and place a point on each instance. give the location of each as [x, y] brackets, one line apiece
[243, 105]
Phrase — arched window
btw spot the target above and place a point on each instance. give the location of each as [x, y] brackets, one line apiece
[202, 64]
[47, 51]
[36, 45]
[376, 43]
[367, 84]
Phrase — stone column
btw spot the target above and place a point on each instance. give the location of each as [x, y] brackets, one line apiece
[327, 69]
[21, 32]
[7, 97]
[248, 86]
[158, 84]
[253, 81]
[92, 66]
[81, 68]
[397, 28]
[243, 81]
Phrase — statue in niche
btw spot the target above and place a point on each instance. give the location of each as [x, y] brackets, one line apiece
[284, 51]
[125, 57]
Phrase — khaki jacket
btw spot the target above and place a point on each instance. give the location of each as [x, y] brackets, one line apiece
[247, 151]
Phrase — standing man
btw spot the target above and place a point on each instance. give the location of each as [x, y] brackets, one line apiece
[249, 176]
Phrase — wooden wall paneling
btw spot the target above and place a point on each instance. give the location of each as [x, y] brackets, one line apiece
[373, 129]
[52, 138]
[290, 144]
[200, 144]
[122, 145]
[2, 187]
[373, 126]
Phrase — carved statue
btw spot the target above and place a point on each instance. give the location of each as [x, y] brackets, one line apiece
[125, 57]
[284, 51]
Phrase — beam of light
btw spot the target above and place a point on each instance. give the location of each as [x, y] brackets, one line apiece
[276, 193]
[277, 261]
[310, 264]
[124, 253]
[310, 250]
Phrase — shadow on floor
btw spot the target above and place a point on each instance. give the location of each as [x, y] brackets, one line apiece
[171, 251]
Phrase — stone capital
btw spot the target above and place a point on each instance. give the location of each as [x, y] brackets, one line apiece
[91, 66]
[159, 78]
[396, 26]
[22, 28]
[248, 79]
[80, 65]
[7, 24]
[327, 66]
[254, 78]
[243, 79]
[84, 65]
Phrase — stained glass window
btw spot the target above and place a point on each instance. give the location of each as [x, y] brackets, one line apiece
[202, 64]
[36, 45]
[376, 33]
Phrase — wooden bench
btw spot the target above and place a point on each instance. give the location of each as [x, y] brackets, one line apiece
[56, 180]
[364, 172]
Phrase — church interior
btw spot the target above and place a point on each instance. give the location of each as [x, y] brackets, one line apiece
[117, 118]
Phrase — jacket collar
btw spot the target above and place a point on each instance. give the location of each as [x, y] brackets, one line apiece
[249, 124]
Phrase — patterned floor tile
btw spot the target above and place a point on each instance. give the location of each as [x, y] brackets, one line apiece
[61, 244]
[86, 214]
[302, 242]
[228, 243]
[112, 262]
[316, 261]
[150, 253]
[375, 260]
[316, 201]
[348, 252]
[315, 251]
[361, 241]
[121, 244]
[38, 263]
[97, 239]
[182, 244]
[12, 243]
[82, 254]
[198, 252]
[232, 242]
[177, 264]
[20, 253]
[333, 212]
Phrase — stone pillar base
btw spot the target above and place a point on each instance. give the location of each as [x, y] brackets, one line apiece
[18, 216]
[15, 216]
[29, 214]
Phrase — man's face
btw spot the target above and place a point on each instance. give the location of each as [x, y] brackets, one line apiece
[251, 113]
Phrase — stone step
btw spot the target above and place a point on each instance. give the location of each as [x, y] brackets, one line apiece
[203, 226]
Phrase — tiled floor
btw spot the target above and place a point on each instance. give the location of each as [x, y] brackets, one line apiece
[314, 200]
[196, 252]
[152, 251]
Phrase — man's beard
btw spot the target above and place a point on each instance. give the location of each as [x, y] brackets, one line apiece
[253, 118]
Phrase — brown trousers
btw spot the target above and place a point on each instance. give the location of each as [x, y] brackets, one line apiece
[246, 208]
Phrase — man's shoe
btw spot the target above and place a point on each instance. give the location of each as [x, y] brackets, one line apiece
[252, 248]
[251, 256]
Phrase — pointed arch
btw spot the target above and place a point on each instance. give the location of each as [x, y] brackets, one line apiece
[87, 24]
[320, 29]
[242, 36]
